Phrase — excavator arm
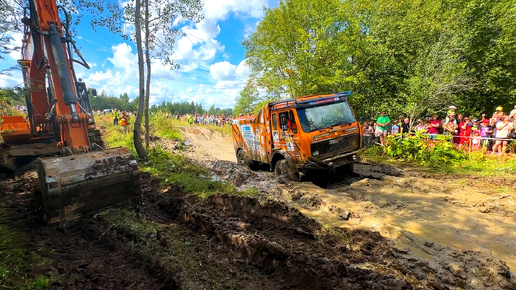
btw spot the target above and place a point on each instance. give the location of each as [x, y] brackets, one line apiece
[84, 177]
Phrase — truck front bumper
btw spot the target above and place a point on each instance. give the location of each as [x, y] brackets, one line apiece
[330, 163]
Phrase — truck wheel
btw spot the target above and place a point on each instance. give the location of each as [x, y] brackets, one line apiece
[282, 169]
[348, 169]
[345, 170]
[241, 157]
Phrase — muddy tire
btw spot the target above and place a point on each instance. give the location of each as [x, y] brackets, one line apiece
[282, 169]
[345, 170]
[242, 158]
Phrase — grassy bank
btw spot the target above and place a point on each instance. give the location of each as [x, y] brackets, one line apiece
[172, 169]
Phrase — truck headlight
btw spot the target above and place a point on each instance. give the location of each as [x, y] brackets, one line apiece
[315, 153]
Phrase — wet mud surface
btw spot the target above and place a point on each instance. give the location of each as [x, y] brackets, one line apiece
[366, 231]
[436, 218]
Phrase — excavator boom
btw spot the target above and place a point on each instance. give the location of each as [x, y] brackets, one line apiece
[84, 177]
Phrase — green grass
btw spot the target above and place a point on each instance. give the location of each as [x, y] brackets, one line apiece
[180, 172]
[172, 169]
[15, 260]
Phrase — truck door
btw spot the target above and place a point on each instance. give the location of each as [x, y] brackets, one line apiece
[289, 133]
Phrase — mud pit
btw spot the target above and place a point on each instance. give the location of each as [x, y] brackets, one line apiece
[436, 218]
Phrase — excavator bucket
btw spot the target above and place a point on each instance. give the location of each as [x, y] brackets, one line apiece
[80, 185]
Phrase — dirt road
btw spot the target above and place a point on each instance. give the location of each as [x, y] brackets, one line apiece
[434, 217]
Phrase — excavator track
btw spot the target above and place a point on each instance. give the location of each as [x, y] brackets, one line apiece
[80, 185]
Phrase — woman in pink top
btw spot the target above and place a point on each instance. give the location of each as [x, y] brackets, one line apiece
[502, 132]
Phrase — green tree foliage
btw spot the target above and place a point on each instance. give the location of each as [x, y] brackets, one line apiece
[104, 101]
[403, 56]
[189, 108]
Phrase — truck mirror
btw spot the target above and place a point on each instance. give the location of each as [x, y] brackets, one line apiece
[94, 92]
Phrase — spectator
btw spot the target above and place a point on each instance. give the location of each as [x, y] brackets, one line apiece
[476, 141]
[421, 126]
[503, 127]
[451, 127]
[484, 119]
[116, 116]
[485, 132]
[465, 132]
[451, 110]
[395, 129]
[368, 134]
[124, 122]
[498, 114]
[433, 126]
[405, 126]
[383, 122]
[512, 115]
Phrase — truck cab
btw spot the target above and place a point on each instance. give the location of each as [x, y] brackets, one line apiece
[299, 136]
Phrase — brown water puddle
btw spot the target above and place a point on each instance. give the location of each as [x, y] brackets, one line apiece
[412, 214]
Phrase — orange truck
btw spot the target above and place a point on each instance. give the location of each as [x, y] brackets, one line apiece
[301, 136]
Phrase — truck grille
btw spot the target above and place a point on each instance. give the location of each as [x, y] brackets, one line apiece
[338, 145]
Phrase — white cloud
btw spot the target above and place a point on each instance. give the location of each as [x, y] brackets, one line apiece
[216, 9]
[223, 71]
[243, 71]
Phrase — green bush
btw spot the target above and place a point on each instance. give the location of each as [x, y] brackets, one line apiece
[418, 149]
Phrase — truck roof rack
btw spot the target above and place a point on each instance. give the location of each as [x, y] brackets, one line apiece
[335, 95]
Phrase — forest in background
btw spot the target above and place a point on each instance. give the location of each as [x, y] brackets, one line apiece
[123, 102]
[402, 56]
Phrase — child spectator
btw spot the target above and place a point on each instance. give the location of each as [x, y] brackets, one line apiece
[485, 132]
[476, 141]
[395, 129]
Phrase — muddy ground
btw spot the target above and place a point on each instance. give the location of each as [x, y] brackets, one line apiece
[431, 216]
[374, 230]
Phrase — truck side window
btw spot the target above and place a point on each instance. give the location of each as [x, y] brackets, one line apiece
[293, 125]
[283, 119]
[275, 121]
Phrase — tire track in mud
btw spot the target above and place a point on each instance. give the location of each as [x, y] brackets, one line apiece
[368, 207]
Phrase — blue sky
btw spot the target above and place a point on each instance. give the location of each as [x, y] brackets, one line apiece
[212, 56]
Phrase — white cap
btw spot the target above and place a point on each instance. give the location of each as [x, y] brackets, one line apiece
[452, 107]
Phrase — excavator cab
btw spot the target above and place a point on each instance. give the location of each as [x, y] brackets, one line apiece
[77, 175]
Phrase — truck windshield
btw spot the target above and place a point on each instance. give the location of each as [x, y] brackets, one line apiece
[324, 116]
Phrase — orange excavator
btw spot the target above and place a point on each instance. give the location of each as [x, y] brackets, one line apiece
[77, 176]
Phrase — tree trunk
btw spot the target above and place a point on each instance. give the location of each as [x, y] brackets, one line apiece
[140, 150]
[147, 85]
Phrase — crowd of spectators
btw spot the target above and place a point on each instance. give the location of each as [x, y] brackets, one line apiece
[488, 134]
[202, 119]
